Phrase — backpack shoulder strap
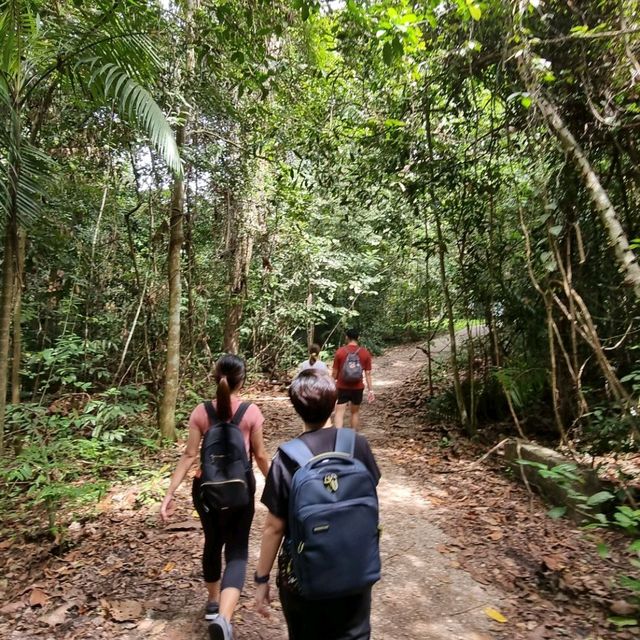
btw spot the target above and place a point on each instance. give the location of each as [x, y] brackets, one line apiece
[297, 451]
[239, 414]
[211, 413]
[345, 440]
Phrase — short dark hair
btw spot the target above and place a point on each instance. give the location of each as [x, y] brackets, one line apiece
[313, 395]
[352, 334]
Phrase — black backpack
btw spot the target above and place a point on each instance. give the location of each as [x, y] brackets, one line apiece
[352, 367]
[227, 476]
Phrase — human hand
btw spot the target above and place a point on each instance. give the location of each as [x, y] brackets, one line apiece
[263, 599]
[371, 397]
[167, 508]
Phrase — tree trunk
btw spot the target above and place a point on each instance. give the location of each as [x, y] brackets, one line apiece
[555, 390]
[166, 416]
[457, 385]
[17, 317]
[311, 326]
[427, 294]
[167, 410]
[241, 245]
[190, 271]
[462, 409]
[625, 256]
[6, 304]
[243, 216]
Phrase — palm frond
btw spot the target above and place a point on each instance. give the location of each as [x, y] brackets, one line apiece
[110, 81]
[24, 176]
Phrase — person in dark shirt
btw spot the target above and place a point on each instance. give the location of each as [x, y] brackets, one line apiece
[313, 396]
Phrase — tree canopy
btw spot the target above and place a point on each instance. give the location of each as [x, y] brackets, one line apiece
[182, 178]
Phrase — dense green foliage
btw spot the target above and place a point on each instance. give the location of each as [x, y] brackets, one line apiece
[394, 165]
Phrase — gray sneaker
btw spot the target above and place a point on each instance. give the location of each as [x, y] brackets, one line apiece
[211, 610]
[220, 629]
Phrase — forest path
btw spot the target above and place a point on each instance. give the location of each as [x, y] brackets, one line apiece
[125, 576]
[422, 596]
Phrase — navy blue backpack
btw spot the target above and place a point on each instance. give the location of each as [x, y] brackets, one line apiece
[227, 477]
[333, 520]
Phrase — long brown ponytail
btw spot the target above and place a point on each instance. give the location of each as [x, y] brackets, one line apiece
[314, 352]
[230, 371]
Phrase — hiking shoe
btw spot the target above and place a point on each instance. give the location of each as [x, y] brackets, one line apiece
[220, 629]
[211, 610]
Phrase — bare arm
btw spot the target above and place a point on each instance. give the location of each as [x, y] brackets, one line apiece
[367, 376]
[260, 452]
[272, 535]
[183, 466]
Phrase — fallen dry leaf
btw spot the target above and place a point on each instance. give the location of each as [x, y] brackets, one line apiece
[169, 566]
[57, 616]
[124, 610]
[38, 598]
[12, 607]
[494, 614]
[553, 562]
[622, 608]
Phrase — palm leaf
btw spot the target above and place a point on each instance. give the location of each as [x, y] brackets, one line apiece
[27, 176]
[24, 177]
[112, 82]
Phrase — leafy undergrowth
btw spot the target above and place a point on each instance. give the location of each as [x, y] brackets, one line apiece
[560, 586]
[62, 472]
[112, 570]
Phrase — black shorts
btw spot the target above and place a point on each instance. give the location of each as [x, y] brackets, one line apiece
[354, 396]
[345, 618]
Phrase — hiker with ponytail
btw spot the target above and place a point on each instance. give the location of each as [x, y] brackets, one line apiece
[222, 527]
[313, 362]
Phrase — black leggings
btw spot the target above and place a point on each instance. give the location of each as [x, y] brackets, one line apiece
[228, 528]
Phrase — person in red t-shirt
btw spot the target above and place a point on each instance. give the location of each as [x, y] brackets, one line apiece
[350, 392]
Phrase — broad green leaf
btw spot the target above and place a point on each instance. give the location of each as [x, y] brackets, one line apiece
[620, 621]
[474, 10]
[387, 53]
[556, 512]
[112, 81]
[599, 498]
[583, 28]
[531, 463]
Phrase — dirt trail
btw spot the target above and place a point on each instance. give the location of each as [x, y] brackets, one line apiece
[127, 577]
[422, 596]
